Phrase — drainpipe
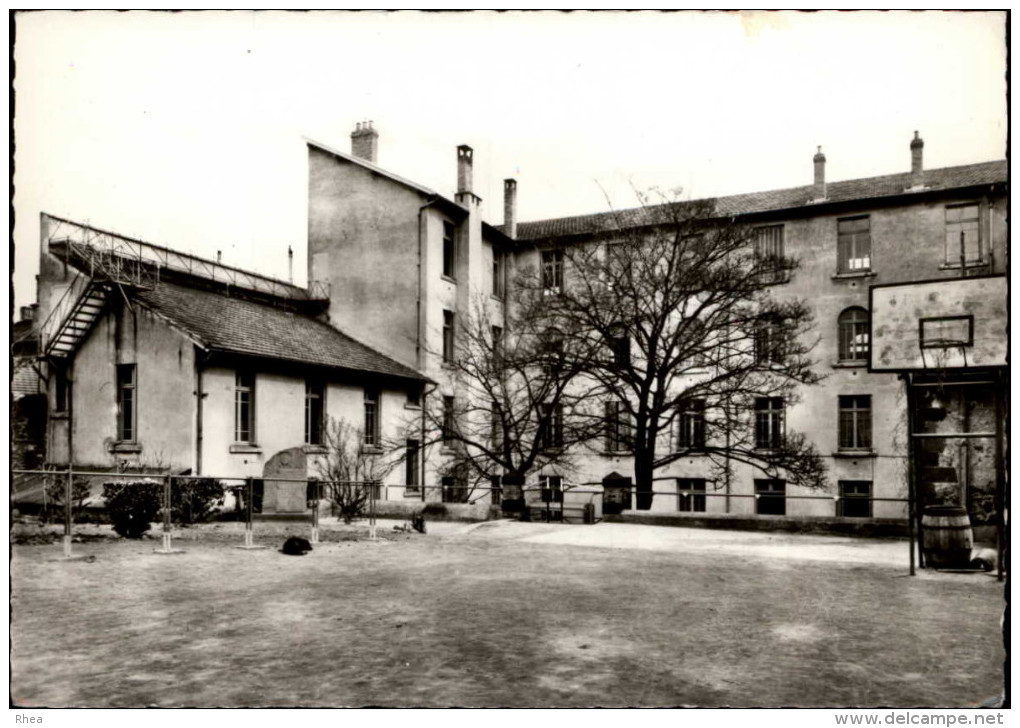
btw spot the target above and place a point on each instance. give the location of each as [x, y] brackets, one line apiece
[421, 446]
[199, 396]
[418, 336]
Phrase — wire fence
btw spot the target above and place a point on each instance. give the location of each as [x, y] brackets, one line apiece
[181, 499]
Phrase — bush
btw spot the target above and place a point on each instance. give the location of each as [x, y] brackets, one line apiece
[435, 510]
[56, 489]
[195, 501]
[132, 505]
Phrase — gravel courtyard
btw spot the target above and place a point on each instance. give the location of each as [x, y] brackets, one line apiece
[501, 614]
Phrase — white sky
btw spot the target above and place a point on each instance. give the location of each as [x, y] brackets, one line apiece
[186, 129]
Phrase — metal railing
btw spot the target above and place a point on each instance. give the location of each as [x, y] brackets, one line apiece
[133, 261]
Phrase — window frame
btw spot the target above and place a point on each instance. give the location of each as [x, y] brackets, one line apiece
[954, 262]
[498, 273]
[768, 491]
[849, 331]
[412, 466]
[855, 423]
[618, 437]
[770, 262]
[449, 250]
[691, 430]
[864, 501]
[244, 390]
[769, 423]
[127, 403]
[769, 342]
[371, 436]
[315, 391]
[694, 500]
[449, 421]
[552, 265]
[551, 488]
[551, 425]
[449, 336]
[850, 241]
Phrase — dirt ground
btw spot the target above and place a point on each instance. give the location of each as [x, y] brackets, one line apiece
[491, 615]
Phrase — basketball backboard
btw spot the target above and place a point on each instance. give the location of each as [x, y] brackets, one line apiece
[953, 323]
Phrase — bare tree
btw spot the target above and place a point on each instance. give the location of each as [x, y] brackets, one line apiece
[519, 404]
[696, 345]
[350, 468]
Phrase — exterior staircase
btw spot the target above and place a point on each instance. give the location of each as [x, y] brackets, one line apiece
[73, 318]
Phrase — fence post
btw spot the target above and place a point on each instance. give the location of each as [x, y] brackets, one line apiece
[249, 505]
[168, 484]
[371, 510]
[68, 489]
[313, 489]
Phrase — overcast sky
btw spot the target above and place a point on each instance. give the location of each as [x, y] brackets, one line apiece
[187, 129]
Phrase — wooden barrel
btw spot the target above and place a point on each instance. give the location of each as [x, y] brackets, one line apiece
[947, 538]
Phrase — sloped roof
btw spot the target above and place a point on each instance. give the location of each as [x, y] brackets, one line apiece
[24, 379]
[239, 326]
[866, 188]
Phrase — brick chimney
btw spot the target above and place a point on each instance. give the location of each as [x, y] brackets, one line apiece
[917, 161]
[365, 142]
[465, 157]
[819, 189]
[510, 207]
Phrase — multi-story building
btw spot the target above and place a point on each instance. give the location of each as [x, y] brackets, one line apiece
[397, 266]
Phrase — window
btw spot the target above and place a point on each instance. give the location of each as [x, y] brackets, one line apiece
[126, 403]
[497, 347]
[315, 400]
[552, 488]
[768, 342]
[854, 499]
[853, 335]
[963, 236]
[691, 425]
[449, 250]
[690, 495]
[770, 497]
[495, 490]
[855, 422]
[411, 465]
[854, 244]
[618, 437]
[552, 272]
[552, 352]
[449, 422]
[498, 273]
[551, 426]
[244, 407]
[619, 343]
[769, 423]
[448, 336]
[768, 253]
[497, 426]
[371, 434]
[414, 396]
[62, 390]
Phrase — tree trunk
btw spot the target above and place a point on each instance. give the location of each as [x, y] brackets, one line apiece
[513, 493]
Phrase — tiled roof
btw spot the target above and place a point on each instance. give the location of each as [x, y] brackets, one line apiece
[773, 200]
[236, 325]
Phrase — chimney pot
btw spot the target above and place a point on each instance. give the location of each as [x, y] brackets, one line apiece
[819, 187]
[365, 142]
[917, 161]
[510, 207]
[464, 168]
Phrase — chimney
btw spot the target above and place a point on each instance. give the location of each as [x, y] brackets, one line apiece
[290, 265]
[510, 207]
[365, 142]
[917, 161]
[464, 163]
[819, 175]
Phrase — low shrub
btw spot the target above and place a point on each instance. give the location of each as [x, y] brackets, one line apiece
[195, 501]
[436, 510]
[56, 490]
[132, 505]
